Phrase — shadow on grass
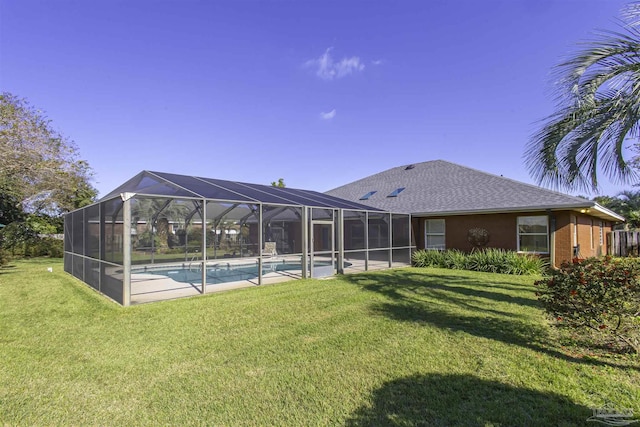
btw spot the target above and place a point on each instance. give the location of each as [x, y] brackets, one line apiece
[418, 298]
[462, 400]
[387, 284]
[7, 269]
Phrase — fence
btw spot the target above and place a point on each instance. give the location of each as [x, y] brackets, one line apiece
[624, 243]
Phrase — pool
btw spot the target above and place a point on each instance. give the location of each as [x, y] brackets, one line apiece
[226, 272]
[218, 273]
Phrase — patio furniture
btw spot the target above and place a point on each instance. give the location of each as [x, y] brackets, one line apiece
[269, 249]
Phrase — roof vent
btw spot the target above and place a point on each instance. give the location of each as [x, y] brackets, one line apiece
[409, 167]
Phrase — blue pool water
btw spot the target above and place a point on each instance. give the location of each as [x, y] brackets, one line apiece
[223, 272]
[219, 273]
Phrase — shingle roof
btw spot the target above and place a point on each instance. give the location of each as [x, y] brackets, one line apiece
[440, 187]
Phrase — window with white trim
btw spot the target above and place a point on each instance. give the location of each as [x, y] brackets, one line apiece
[533, 234]
[434, 234]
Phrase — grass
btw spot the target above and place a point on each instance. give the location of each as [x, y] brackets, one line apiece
[402, 347]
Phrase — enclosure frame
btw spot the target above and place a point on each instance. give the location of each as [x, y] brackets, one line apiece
[311, 235]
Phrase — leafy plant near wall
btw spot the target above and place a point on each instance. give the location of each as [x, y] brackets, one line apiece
[489, 260]
[600, 296]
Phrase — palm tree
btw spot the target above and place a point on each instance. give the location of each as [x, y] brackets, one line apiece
[598, 110]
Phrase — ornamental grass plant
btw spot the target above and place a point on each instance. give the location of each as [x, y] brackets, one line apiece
[490, 260]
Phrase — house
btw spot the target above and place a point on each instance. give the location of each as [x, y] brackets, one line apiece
[456, 207]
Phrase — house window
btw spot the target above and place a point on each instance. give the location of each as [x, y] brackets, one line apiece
[593, 231]
[434, 234]
[533, 234]
[575, 231]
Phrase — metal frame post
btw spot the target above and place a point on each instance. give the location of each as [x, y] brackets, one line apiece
[340, 266]
[126, 249]
[366, 241]
[305, 241]
[204, 246]
[261, 243]
[390, 219]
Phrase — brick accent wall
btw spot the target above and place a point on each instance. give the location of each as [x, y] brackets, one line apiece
[503, 232]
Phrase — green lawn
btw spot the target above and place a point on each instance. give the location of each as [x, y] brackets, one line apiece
[402, 347]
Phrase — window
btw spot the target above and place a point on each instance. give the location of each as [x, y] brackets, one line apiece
[395, 192]
[593, 231]
[369, 194]
[533, 234]
[434, 234]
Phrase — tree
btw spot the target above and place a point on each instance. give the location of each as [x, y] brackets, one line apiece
[39, 167]
[280, 183]
[598, 109]
[626, 203]
[10, 210]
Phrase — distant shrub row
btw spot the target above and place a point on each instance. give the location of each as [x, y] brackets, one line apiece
[36, 247]
[488, 260]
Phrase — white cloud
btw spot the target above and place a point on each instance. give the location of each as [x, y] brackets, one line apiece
[328, 69]
[377, 62]
[328, 116]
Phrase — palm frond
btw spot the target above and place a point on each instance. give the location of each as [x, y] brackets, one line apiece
[598, 111]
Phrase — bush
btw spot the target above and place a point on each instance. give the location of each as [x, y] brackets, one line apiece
[489, 260]
[428, 258]
[599, 295]
[455, 260]
[45, 246]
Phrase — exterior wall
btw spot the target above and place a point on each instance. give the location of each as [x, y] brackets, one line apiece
[503, 232]
[588, 236]
[417, 231]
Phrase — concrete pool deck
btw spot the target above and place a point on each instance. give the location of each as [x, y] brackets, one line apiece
[147, 287]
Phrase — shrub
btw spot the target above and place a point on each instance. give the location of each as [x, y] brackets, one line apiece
[428, 258]
[455, 260]
[489, 260]
[599, 295]
[526, 264]
[45, 246]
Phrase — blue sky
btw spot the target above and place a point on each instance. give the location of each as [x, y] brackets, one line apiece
[320, 93]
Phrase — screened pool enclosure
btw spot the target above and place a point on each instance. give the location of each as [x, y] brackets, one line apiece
[162, 236]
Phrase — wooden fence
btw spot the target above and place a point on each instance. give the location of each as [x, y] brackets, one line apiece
[624, 243]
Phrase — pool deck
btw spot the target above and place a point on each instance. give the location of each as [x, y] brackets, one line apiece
[147, 287]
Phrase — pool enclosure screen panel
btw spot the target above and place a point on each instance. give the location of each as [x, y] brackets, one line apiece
[162, 236]
[93, 247]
